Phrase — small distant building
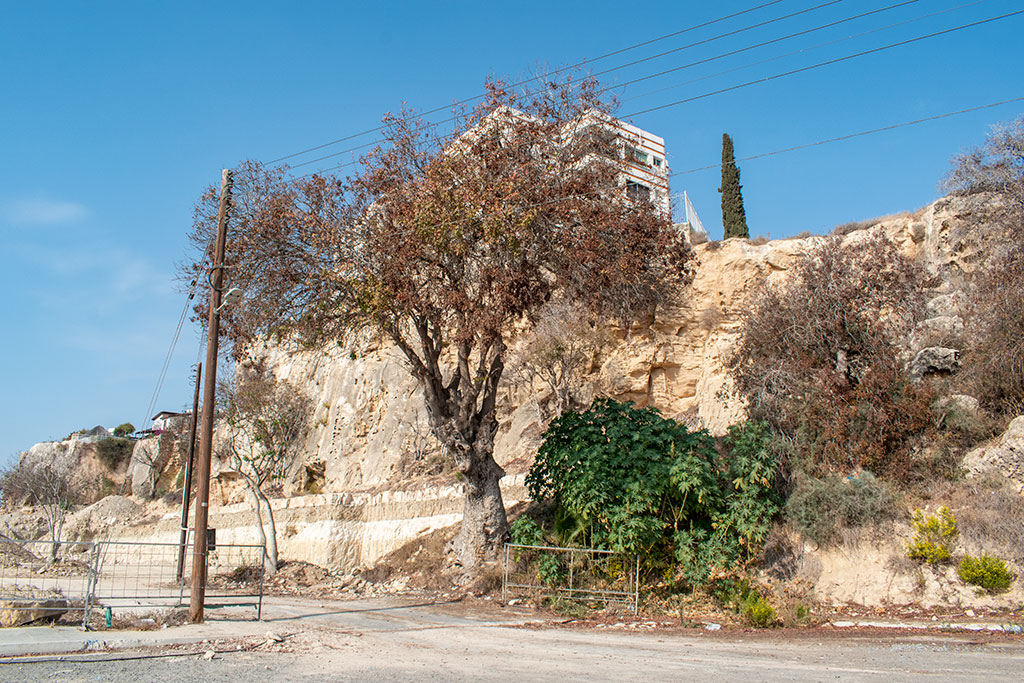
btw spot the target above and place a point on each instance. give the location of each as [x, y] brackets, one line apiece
[166, 420]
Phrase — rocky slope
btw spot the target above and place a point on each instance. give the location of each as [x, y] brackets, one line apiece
[369, 412]
[372, 478]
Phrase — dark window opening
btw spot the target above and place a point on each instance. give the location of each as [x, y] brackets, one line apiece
[638, 192]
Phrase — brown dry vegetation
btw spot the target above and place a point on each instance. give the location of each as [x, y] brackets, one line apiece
[819, 359]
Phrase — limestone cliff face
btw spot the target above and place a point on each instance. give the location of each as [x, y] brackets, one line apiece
[370, 417]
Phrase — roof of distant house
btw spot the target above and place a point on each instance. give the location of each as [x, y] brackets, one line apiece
[167, 413]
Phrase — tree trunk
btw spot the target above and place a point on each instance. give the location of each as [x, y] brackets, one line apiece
[484, 526]
[56, 524]
[270, 539]
[257, 508]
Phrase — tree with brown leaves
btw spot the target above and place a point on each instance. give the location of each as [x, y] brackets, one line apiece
[445, 244]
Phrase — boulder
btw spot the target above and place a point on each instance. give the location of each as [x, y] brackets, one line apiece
[1004, 454]
[22, 605]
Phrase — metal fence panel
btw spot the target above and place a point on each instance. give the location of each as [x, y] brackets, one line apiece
[577, 573]
[42, 578]
[145, 574]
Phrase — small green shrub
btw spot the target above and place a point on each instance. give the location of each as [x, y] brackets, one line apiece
[934, 536]
[567, 607]
[739, 595]
[819, 508]
[113, 451]
[759, 612]
[987, 572]
[550, 570]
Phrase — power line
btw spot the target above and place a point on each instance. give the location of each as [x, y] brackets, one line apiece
[850, 136]
[718, 37]
[777, 75]
[762, 44]
[803, 50]
[170, 352]
[192, 287]
[825, 63]
[535, 78]
[606, 71]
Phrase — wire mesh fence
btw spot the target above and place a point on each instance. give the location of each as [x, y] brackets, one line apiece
[41, 579]
[585, 574]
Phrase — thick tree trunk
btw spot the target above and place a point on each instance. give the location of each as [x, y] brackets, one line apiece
[484, 526]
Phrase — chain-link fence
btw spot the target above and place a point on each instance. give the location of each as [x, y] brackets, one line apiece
[41, 579]
[585, 574]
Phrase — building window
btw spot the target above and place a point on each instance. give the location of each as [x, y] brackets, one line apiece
[634, 154]
[657, 162]
[637, 192]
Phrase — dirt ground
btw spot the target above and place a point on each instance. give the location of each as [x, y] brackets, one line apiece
[377, 640]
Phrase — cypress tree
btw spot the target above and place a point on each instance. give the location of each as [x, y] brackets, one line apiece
[734, 218]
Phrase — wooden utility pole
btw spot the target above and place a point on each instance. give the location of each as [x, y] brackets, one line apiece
[187, 493]
[216, 279]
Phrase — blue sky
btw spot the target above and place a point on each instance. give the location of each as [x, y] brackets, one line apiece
[115, 116]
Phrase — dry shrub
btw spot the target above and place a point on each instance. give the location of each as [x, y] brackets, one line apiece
[818, 358]
[759, 240]
[821, 509]
[994, 361]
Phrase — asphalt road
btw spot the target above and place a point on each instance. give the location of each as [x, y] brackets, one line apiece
[382, 641]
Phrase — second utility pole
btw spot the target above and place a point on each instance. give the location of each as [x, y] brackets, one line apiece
[215, 278]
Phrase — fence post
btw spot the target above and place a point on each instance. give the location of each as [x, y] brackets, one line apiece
[90, 583]
[636, 586]
[263, 572]
[504, 578]
[572, 556]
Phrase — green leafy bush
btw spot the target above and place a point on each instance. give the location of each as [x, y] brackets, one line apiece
[739, 595]
[125, 429]
[819, 508]
[628, 480]
[525, 531]
[934, 536]
[987, 572]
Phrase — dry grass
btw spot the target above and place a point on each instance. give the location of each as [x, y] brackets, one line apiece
[854, 226]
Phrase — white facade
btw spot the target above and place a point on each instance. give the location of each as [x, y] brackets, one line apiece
[639, 154]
